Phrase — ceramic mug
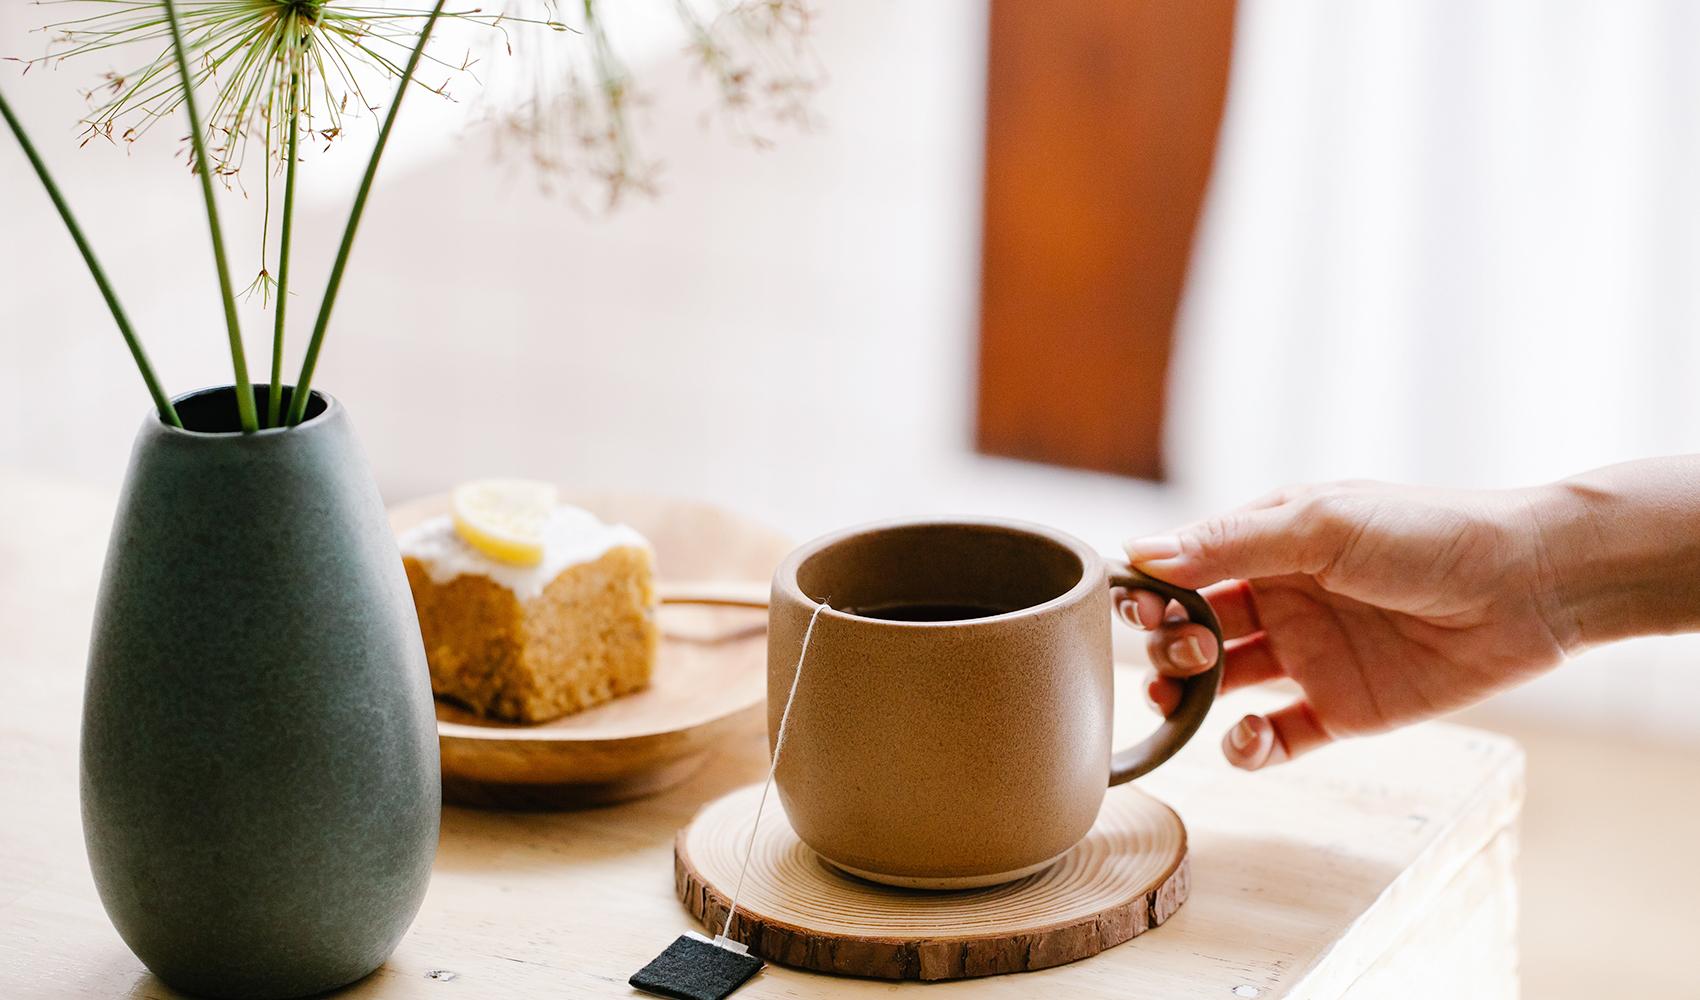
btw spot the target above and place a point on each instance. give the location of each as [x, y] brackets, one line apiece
[966, 751]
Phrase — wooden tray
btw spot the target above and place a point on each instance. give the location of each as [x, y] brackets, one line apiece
[1127, 876]
[710, 679]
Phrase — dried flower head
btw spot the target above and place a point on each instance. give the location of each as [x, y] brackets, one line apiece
[260, 59]
[758, 55]
[576, 114]
[575, 117]
[287, 71]
[266, 63]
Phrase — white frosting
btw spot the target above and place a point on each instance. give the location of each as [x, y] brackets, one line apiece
[571, 536]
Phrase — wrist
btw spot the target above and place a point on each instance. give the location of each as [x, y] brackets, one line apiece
[1618, 552]
[1571, 588]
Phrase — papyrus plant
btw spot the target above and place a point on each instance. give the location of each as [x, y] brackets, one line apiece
[284, 74]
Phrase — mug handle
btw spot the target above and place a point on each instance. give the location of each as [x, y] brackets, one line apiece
[1197, 693]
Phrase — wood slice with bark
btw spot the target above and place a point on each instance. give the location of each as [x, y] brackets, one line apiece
[1127, 876]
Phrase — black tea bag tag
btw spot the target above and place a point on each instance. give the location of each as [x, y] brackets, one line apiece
[695, 968]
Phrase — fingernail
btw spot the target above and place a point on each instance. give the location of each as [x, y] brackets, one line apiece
[1130, 613]
[1154, 547]
[1145, 690]
[1187, 653]
[1242, 736]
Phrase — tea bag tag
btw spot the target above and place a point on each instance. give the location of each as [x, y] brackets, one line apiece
[695, 967]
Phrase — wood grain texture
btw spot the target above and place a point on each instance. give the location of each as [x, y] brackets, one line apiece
[710, 677]
[1127, 876]
[1101, 121]
[1304, 879]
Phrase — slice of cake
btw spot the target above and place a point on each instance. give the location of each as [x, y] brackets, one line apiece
[531, 610]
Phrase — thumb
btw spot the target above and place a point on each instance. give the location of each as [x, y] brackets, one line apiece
[1240, 545]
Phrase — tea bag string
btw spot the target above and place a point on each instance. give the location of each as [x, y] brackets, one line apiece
[772, 766]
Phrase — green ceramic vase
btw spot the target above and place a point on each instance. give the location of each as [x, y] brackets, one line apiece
[260, 783]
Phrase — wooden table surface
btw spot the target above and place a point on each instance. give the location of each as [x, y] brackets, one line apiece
[1377, 868]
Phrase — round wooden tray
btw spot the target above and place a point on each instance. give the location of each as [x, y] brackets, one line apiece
[1127, 876]
[710, 676]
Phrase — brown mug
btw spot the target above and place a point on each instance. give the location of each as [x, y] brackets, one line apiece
[952, 725]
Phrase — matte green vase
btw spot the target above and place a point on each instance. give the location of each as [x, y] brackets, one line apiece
[260, 781]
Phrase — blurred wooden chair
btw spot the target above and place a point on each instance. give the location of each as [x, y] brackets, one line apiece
[1101, 129]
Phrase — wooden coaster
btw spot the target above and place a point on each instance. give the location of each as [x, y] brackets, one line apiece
[1127, 876]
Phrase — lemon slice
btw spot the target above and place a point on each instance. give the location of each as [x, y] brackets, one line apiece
[504, 518]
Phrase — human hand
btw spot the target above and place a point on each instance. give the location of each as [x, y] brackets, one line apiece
[1386, 604]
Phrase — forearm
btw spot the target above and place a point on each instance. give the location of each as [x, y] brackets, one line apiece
[1621, 550]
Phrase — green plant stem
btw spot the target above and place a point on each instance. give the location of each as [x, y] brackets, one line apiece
[303, 384]
[244, 390]
[161, 401]
[274, 399]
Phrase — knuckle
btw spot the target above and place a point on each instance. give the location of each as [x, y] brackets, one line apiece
[1328, 512]
[1286, 494]
[1210, 536]
[1331, 525]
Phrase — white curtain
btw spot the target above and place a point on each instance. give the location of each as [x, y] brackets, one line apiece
[1452, 241]
[1455, 242]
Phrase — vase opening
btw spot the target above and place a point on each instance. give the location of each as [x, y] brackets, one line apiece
[213, 411]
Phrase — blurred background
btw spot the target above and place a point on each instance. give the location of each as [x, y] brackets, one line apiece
[1101, 264]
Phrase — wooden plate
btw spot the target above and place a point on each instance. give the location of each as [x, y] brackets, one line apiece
[710, 678]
